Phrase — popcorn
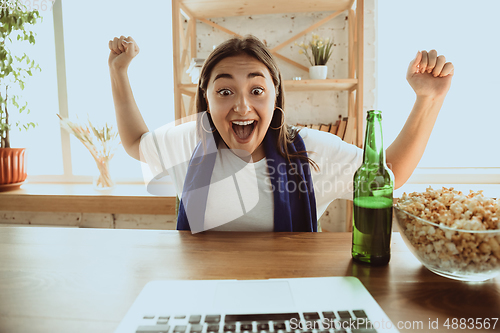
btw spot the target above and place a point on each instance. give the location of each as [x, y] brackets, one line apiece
[443, 248]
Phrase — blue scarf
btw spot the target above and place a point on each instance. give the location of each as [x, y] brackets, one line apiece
[294, 210]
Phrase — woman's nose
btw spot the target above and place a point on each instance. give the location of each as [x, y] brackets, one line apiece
[242, 105]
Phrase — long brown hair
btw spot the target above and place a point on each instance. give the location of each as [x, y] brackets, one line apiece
[252, 46]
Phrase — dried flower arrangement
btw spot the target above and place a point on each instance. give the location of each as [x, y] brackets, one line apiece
[101, 143]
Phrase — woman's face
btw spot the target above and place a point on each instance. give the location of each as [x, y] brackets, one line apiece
[241, 98]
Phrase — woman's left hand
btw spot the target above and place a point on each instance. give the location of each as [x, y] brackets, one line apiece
[430, 75]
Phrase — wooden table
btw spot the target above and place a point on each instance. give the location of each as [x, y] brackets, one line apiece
[84, 280]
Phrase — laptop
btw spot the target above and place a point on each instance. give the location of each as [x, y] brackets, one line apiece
[298, 305]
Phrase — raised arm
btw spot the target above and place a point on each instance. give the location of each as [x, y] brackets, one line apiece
[430, 77]
[131, 125]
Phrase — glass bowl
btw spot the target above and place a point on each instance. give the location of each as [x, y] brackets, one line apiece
[466, 255]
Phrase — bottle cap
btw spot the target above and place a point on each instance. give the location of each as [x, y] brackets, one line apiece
[371, 113]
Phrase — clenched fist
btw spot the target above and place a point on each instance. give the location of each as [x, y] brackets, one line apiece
[123, 50]
[429, 74]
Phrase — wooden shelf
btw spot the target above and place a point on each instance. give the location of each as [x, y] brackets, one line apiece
[225, 8]
[300, 85]
[315, 85]
[81, 198]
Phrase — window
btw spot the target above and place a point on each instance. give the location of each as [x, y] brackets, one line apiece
[464, 135]
[43, 142]
[87, 28]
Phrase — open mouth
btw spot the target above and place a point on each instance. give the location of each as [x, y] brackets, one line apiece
[243, 129]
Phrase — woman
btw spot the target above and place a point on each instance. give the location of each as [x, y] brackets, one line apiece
[263, 182]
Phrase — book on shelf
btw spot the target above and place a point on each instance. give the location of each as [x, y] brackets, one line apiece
[324, 127]
[341, 130]
[334, 127]
[349, 131]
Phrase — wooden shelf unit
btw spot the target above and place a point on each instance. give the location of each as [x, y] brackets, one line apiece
[185, 47]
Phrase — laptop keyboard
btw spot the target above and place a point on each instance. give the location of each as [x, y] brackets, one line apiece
[345, 321]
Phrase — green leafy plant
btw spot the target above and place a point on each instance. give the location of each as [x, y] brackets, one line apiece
[321, 50]
[14, 69]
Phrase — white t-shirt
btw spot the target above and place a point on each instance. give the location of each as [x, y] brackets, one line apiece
[171, 146]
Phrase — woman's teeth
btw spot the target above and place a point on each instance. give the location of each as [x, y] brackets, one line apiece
[248, 122]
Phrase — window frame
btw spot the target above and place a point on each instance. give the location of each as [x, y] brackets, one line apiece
[68, 177]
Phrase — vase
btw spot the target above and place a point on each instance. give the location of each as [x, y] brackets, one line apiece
[12, 168]
[318, 72]
[103, 181]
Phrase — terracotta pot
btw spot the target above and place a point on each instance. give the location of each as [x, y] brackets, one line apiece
[12, 167]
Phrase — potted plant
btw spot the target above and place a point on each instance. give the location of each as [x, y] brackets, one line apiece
[14, 69]
[321, 51]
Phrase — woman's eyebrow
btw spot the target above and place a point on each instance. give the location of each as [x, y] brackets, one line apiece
[218, 76]
[229, 76]
[254, 74]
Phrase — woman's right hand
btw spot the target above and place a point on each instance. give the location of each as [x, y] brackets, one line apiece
[123, 50]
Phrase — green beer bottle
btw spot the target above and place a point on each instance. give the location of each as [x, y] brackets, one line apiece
[372, 211]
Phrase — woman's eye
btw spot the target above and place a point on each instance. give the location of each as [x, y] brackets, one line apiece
[224, 92]
[257, 91]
